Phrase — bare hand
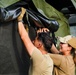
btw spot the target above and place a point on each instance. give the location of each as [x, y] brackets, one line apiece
[43, 30]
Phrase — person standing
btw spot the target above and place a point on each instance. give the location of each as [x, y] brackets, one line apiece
[39, 50]
[65, 62]
[65, 58]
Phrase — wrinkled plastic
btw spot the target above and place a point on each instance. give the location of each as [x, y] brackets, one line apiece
[11, 12]
[8, 15]
[53, 25]
[34, 18]
[51, 13]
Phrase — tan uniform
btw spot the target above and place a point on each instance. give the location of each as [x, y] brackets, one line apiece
[41, 64]
[64, 64]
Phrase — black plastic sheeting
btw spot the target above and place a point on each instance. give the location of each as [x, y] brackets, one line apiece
[14, 59]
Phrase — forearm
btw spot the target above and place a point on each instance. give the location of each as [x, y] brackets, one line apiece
[25, 38]
[54, 49]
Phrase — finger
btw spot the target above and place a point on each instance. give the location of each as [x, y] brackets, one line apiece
[45, 29]
[39, 30]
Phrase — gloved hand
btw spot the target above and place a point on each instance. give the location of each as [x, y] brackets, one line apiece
[23, 10]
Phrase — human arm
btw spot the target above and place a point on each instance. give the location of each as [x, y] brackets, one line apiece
[35, 54]
[57, 59]
[23, 33]
[25, 38]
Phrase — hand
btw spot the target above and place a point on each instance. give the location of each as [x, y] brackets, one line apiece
[43, 30]
[23, 10]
